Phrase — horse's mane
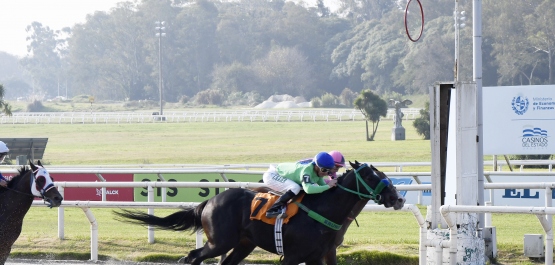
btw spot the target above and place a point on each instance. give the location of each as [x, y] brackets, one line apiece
[342, 176]
[22, 172]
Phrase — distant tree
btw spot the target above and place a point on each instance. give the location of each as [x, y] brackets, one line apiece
[329, 100]
[363, 10]
[323, 10]
[284, 71]
[347, 97]
[43, 61]
[422, 123]
[4, 106]
[372, 107]
[234, 77]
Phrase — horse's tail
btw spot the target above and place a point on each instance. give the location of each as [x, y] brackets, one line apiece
[186, 219]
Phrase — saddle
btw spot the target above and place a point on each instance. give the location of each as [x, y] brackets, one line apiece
[263, 201]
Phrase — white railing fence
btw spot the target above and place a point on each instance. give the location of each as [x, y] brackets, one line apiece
[502, 165]
[246, 115]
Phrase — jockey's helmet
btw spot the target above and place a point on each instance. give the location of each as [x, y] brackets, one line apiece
[324, 160]
[338, 158]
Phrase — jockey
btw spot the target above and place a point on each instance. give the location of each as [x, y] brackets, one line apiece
[3, 153]
[290, 178]
[339, 163]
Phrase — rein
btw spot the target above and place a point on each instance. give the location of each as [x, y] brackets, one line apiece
[374, 194]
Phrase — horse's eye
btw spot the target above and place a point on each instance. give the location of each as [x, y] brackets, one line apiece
[40, 182]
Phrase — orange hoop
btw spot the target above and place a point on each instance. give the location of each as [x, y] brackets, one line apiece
[422, 17]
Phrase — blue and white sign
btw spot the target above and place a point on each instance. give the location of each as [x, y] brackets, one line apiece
[518, 197]
[519, 120]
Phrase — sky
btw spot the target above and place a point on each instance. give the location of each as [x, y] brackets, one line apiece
[15, 15]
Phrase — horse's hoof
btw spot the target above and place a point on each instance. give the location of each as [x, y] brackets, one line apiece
[183, 260]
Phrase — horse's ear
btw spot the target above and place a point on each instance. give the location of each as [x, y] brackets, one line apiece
[354, 165]
[40, 164]
[33, 167]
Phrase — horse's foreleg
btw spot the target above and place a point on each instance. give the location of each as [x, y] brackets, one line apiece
[239, 253]
[3, 259]
[331, 257]
[4, 253]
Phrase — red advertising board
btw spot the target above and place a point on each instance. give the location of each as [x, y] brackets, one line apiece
[95, 194]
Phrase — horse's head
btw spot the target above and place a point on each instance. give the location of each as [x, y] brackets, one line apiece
[43, 185]
[373, 184]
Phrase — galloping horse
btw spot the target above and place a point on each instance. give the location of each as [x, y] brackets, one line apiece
[225, 219]
[16, 199]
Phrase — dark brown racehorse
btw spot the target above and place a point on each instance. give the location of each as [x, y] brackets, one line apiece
[225, 219]
[16, 199]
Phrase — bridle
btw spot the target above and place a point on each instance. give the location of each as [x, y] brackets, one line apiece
[373, 194]
[39, 193]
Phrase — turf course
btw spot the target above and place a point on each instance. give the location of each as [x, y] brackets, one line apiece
[230, 143]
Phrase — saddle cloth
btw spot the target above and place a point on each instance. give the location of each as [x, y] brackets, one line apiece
[263, 201]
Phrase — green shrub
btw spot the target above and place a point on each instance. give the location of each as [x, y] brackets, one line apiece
[183, 99]
[329, 100]
[422, 123]
[35, 106]
[316, 102]
[209, 97]
[81, 99]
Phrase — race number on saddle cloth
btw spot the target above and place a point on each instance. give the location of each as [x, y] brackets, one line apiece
[263, 201]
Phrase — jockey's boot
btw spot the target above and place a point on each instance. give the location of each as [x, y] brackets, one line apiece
[275, 210]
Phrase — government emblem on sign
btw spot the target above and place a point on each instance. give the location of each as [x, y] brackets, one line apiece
[520, 105]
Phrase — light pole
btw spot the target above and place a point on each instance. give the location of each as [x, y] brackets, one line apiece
[160, 33]
[459, 24]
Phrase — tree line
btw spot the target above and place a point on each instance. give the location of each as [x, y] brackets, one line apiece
[216, 50]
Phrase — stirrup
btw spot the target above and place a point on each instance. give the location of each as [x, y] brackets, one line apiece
[280, 213]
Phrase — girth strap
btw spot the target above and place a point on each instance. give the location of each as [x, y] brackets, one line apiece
[278, 232]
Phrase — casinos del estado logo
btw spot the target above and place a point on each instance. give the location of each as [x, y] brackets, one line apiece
[520, 104]
[534, 137]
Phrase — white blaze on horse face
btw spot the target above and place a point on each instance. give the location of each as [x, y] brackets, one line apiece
[48, 182]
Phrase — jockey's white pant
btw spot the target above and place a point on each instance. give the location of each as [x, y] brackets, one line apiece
[278, 183]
